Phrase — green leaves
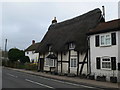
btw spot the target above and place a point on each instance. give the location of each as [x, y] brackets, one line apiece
[15, 54]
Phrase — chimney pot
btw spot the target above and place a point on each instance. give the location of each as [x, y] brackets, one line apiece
[33, 41]
[54, 21]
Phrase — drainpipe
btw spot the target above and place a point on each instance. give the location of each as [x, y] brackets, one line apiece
[89, 61]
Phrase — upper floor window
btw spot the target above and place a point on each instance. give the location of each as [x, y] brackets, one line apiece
[105, 40]
[71, 46]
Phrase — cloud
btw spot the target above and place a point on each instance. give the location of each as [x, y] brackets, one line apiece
[24, 21]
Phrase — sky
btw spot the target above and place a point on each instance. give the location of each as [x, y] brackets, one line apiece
[23, 22]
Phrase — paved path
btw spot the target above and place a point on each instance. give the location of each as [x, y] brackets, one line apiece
[17, 78]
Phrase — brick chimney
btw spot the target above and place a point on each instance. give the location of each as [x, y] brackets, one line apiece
[33, 41]
[54, 21]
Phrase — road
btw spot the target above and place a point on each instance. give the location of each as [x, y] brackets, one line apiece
[15, 79]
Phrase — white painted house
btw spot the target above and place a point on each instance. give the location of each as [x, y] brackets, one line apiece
[30, 52]
[105, 50]
[64, 47]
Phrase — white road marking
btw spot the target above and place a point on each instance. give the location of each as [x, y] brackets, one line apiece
[70, 83]
[12, 75]
[39, 83]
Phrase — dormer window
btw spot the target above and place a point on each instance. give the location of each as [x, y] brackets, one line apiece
[71, 46]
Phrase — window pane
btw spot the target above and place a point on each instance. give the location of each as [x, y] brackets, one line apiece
[107, 40]
[73, 62]
[102, 40]
[106, 63]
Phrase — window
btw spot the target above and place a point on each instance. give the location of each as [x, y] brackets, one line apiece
[47, 62]
[33, 52]
[106, 63]
[50, 62]
[71, 46]
[73, 62]
[105, 40]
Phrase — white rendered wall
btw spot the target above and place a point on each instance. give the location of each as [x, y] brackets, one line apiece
[111, 51]
[32, 56]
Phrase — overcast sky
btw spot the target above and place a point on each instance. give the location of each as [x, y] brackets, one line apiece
[23, 22]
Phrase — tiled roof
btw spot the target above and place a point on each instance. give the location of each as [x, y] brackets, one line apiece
[113, 25]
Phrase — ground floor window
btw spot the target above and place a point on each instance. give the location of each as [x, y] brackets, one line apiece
[73, 62]
[106, 63]
[46, 62]
[50, 62]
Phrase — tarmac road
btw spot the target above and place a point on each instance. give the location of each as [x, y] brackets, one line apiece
[15, 79]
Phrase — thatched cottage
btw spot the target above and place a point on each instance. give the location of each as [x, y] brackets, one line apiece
[64, 47]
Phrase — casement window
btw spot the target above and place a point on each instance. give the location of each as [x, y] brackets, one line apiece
[105, 39]
[106, 63]
[47, 62]
[73, 62]
[50, 62]
[71, 46]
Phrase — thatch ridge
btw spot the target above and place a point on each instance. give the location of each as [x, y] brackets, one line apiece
[74, 30]
[32, 47]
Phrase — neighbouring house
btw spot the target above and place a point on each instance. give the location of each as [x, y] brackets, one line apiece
[105, 50]
[30, 52]
[64, 47]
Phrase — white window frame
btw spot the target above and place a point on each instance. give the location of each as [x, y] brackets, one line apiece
[103, 61]
[72, 66]
[105, 40]
[53, 63]
[71, 46]
[47, 62]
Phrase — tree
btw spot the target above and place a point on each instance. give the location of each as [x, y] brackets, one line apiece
[15, 54]
[24, 59]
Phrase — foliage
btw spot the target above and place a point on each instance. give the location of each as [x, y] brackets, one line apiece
[15, 54]
[24, 59]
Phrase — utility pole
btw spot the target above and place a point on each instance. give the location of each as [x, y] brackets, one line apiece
[5, 49]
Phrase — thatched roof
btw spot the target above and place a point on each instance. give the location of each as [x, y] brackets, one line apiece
[113, 25]
[32, 47]
[73, 30]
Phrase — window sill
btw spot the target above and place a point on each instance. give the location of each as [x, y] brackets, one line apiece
[106, 69]
[73, 67]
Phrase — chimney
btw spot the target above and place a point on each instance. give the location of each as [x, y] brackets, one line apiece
[54, 21]
[103, 9]
[33, 41]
